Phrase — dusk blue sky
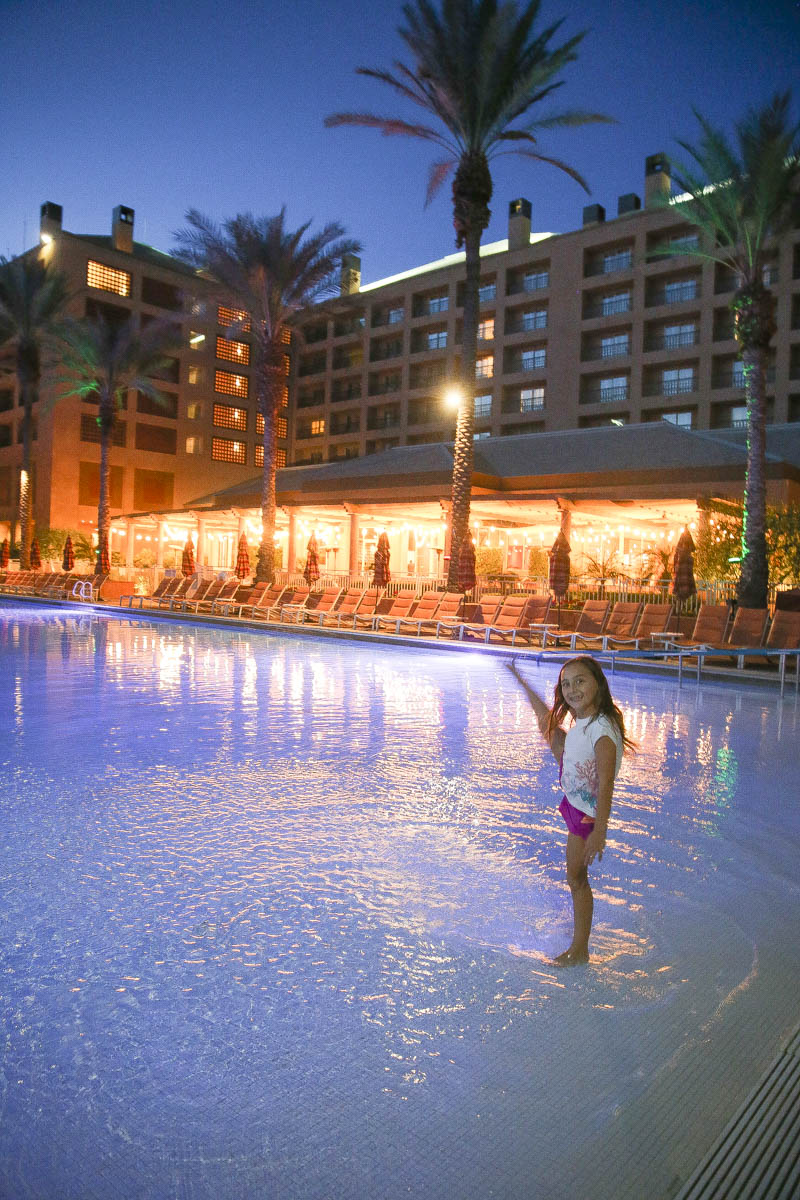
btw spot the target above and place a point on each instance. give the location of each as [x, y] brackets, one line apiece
[163, 106]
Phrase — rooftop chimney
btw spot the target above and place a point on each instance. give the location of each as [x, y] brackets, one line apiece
[350, 278]
[593, 213]
[519, 224]
[628, 203]
[122, 229]
[657, 182]
[50, 217]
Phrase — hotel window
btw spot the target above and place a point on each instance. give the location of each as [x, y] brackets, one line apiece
[614, 388]
[484, 367]
[223, 450]
[230, 385]
[197, 341]
[438, 340]
[682, 419]
[481, 434]
[395, 316]
[612, 347]
[233, 316]
[532, 360]
[535, 280]
[680, 290]
[227, 417]
[619, 302]
[438, 304]
[483, 406]
[486, 330]
[677, 380]
[194, 375]
[281, 427]
[238, 352]
[108, 279]
[318, 427]
[486, 292]
[198, 308]
[679, 335]
[535, 319]
[737, 374]
[194, 411]
[280, 457]
[685, 243]
[530, 399]
[194, 445]
[620, 260]
[259, 425]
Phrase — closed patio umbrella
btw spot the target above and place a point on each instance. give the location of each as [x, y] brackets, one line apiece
[466, 565]
[36, 555]
[559, 567]
[68, 560]
[683, 584]
[103, 557]
[380, 567]
[5, 551]
[187, 559]
[311, 569]
[242, 567]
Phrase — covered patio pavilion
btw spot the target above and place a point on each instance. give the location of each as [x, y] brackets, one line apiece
[626, 491]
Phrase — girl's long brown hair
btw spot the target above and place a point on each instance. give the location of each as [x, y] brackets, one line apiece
[605, 703]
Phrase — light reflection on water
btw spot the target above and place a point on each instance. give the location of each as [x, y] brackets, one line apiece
[319, 860]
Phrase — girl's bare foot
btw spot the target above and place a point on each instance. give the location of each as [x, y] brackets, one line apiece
[571, 958]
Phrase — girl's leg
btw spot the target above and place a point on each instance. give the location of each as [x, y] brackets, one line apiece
[582, 904]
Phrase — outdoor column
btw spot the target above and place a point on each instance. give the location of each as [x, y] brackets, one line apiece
[352, 552]
[160, 546]
[130, 547]
[201, 542]
[291, 542]
[566, 518]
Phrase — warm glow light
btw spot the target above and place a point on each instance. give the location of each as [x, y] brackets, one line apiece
[453, 397]
[46, 239]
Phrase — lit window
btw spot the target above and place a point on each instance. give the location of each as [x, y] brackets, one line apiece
[486, 330]
[108, 279]
[480, 435]
[223, 450]
[233, 316]
[230, 418]
[197, 341]
[614, 388]
[280, 457]
[194, 375]
[486, 292]
[534, 281]
[438, 304]
[534, 319]
[484, 367]
[532, 360]
[395, 316]
[194, 445]
[438, 340]
[230, 385]
[679, 335]
[531, 398]
[677, 380]
[619, 302]
[739, 415]
[483, 406]
[281, 427]
[194, 411]
[612, 347]
[678, 290]
[318, 427]
[233, 351]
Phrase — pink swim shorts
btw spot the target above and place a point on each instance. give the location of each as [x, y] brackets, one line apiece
[575, 819]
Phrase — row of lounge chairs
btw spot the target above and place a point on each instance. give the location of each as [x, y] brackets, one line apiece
[52, 585]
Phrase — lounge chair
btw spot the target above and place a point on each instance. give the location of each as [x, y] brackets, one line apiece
[746, 632]
[480, 616]
[710, 625]
[292, 604]
[263, 596]
[400, 605]
[591, 620]
[159, 590]
[654, 620]
[175, 596]
[208, 590]
[513, 618]
[365, 608]
[426, 606]
[226, 592]
[222, 606]
[347, 605]
[783, 634]
[444, 618]
[320, 603]
[621, 623]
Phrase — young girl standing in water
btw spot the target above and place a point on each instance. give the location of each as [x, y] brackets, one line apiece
[589, 753]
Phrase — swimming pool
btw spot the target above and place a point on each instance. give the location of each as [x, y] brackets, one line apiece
[277, 915]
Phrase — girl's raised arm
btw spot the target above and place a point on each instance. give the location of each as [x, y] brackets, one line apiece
[556, 739]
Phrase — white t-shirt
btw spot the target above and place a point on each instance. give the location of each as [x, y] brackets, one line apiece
[579, 766]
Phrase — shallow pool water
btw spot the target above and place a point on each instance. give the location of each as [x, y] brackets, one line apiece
[278, 914]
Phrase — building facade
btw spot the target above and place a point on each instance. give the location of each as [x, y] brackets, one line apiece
[206, 433]
[577, 330]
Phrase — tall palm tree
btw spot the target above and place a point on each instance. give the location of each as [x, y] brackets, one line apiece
[32, 297]
[272, 274]
[103, 362]
[741, 198]
[478, 68]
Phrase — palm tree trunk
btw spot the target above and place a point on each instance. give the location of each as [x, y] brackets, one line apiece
[103, 503]
[464, 442]
[271, 385]
[28, 376]
[753, 583]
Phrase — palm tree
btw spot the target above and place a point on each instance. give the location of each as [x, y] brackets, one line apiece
[32, 297]
[478, 68]
[271, 274]
[103, 361]
[741, 199]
